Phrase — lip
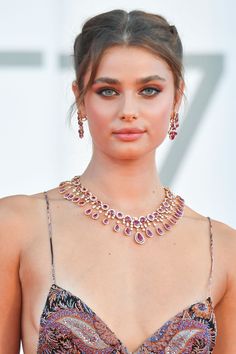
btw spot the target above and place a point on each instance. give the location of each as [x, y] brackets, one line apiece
[129, 134]
[129, 131]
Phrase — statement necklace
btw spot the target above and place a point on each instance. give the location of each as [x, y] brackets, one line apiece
[158, 222]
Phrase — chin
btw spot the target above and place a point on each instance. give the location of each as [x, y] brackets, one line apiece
[128, 153]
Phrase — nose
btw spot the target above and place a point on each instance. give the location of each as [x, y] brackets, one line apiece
[128, 110]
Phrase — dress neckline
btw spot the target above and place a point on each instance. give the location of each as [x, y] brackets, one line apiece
[207, 301]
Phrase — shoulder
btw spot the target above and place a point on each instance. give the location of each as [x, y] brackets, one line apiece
[19, 215]
[22, 204]
[224, 236]
[14, 207]
[219, 229]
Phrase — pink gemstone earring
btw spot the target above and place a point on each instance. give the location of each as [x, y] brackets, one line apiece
[80, 123]
[174, 124]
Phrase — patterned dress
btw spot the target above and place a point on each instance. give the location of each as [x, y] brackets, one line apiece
[68, 325]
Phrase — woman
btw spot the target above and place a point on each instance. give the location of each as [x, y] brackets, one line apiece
[112, 261]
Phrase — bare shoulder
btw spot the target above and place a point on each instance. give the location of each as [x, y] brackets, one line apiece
[18, 214]
[20, 204]
[224, 238]
[221, 230]
[14, 207]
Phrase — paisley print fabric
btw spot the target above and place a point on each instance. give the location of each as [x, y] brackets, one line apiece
[68, 325]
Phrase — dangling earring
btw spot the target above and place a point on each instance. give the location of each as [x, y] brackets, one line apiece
[80, 123]
[174, 124]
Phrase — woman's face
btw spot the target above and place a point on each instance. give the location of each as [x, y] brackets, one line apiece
[132, 90]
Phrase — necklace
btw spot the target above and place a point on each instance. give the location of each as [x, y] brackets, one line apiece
[158, 222]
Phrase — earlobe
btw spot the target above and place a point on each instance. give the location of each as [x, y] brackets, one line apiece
[75, 89]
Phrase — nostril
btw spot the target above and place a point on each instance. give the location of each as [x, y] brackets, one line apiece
[129, 117]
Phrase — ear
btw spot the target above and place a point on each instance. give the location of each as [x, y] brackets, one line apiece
[178, 96]
[76, 92]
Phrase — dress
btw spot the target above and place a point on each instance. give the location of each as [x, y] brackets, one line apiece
[68, 325]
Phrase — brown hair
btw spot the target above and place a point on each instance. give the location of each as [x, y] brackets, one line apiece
[118, 27]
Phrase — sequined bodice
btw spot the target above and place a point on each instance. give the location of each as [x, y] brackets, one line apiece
[68, 325]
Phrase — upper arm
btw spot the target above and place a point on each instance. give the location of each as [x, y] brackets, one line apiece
[226, 309]
[10, 288]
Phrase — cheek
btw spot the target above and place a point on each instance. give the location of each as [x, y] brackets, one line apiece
[97, 107]
[99, 117]
[159, 116]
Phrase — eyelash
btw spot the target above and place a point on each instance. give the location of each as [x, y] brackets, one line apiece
[100, 91]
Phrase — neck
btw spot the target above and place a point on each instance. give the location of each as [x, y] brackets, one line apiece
[132, 186]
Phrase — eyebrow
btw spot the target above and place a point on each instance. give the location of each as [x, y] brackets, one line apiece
[143, 80]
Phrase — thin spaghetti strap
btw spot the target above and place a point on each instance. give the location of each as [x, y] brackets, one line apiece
[50, 237]
[212, 258]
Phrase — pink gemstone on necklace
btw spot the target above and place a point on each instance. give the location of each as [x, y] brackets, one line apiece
[81, 203]
[127, 231]
[136, 223]
[116, 228]
[88, 211]
[95, 215]
[75, 199]
[139, 238]
[66, 195]
[111, 212]
[159, 231]
[105, 221]
[119, 215]
[127, 219]
[150, 217]
[142, 219]
[167, 226]
[105, 207]
[93, 198]
[172, 221]
[62, 190]
[149, 233]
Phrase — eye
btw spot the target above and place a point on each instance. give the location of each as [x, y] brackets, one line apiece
[150, 91]
[108, 92]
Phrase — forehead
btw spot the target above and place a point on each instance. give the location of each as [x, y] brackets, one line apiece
[129, 63]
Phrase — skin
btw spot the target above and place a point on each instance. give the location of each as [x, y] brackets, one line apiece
[88, 256]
